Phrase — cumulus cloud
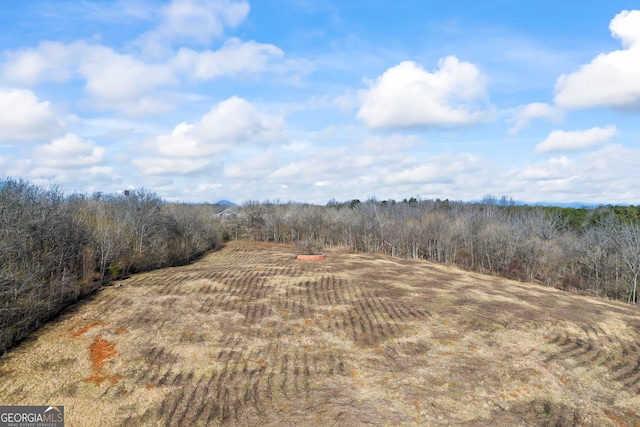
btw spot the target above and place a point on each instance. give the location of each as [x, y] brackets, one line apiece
[387, 144]
[49, 61]
[165, 166]
[316, 165]
[201, 19]
[122, 82]
[407, 95]
[256, 167]
[444, 168]
[333, 172]
[127, 82]
[626, 27]
[537, 110]
[315, 174]
[196, 21]
[112, 80]
[557, 168]
[72, 161]
[183, 142]
[23, 117]
[136, 83]
[116, 77]
[229, 124]
[236, 120]
[119, 10]
[70, 151]
[610, 79]
[582, 177]
[559, 140]
[610, 170]
[95, 178]
[233, 57]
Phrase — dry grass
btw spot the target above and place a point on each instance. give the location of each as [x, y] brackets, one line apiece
[250, 336]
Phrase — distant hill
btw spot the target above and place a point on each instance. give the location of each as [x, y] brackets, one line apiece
[575, 205]
[225, 202]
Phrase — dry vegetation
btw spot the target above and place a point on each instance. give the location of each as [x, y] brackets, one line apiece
[250, 336]
[55, 249]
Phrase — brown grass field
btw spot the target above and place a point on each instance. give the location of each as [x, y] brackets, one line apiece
[248, 335]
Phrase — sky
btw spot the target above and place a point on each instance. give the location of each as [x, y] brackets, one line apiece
[314, 100]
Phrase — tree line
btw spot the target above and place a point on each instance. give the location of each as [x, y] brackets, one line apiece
[591, 251]
[57, 248]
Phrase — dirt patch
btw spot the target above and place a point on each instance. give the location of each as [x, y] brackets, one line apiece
[310, 257]
[100, 351]
[85, 328]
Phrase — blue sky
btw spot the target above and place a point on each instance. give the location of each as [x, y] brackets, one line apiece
[312, 100]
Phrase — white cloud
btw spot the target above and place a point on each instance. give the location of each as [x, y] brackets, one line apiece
[118, 79]
[236, 120]
[557, 168]
[74, 162]
[626, 27]
[202, 19]
[445, 168]
[319, 164]
[559, 140]
[112, 80]
[165, 166]
[347, 102]
[123, 82]
[255, 167]
[70, 151]
[232, 58]
[408, 96]
[345, 173]
[610, 79]
[610, 171]
[48, 62]
[315, 174]
[23, 117]
[183, 142]
[230, 124]
[193, 20]
[30, 66]
[129, 83]
[189, 191]
[118, 11]
[95, 178]
[537, 110]
[389, 144]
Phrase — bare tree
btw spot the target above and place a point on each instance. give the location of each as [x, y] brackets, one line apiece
[627, 241]
[55, 249]
[593, 252]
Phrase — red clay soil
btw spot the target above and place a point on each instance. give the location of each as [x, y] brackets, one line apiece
[81, 332]
[100, 351]
[310, 257]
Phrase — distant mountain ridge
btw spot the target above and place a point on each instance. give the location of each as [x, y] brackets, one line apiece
[225, 202]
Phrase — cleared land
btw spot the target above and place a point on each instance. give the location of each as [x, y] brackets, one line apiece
[251, 336]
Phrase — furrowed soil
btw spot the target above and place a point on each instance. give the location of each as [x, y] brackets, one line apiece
[249, 335]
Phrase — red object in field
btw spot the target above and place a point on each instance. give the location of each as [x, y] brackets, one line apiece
[310, 257]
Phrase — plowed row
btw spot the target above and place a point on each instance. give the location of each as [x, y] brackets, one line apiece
[251, 336]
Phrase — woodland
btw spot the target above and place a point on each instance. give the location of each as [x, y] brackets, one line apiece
[57, 248]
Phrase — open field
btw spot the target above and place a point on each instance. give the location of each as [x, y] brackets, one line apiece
[250, 336]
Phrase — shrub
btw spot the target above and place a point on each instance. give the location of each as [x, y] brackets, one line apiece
[310, 247]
